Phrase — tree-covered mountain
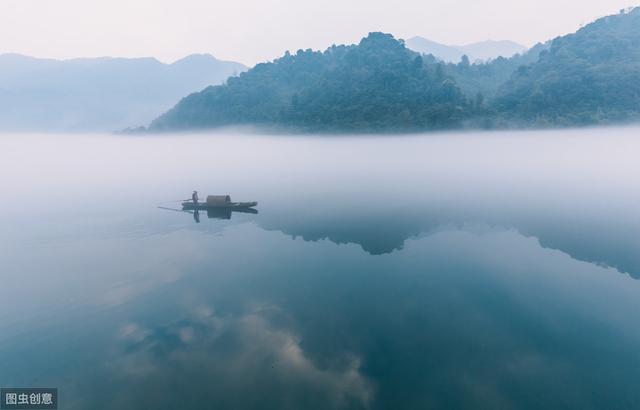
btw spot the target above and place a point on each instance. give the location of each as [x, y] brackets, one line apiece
[590, 77]
[98, 94]
[378, 85]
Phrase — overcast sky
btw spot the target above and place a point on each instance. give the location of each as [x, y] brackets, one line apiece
[250, 31]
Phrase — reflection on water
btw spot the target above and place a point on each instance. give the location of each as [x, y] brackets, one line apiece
[213, 213]
[454, 271]
[235, 362]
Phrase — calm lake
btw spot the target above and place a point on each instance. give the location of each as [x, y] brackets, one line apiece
[440, 271]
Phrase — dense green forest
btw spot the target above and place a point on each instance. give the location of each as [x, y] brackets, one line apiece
[378, 84]
[592, 76]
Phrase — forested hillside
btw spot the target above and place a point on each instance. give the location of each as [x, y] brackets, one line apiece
[376, 85]
[590, 77]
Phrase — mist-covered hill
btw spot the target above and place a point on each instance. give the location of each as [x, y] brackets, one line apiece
[590, 77]
[98, 94]
[483, 50]
[377, 84]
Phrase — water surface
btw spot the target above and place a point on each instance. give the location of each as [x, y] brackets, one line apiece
[474, 270]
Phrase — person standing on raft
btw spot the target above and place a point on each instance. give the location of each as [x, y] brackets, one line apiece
[194, 197]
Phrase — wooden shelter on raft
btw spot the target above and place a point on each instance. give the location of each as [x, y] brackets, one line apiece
[218, 200]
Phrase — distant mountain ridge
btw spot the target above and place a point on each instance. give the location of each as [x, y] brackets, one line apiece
[483, 50]
[98, 94]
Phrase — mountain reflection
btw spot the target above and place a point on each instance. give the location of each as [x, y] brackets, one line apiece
[462, 314]
[437, 325]
[379, 233]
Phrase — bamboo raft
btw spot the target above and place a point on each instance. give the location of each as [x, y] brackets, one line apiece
[218, 202]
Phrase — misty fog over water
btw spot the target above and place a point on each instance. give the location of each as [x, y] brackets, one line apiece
[486, 270]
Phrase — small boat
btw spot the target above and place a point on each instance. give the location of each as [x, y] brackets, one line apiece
[218, 202]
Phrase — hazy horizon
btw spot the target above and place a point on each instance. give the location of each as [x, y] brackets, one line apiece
[250, 32]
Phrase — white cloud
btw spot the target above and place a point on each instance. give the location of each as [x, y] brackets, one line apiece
[233, 356]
